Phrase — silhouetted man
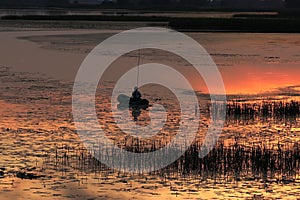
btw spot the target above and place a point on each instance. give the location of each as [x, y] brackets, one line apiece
[136, 95]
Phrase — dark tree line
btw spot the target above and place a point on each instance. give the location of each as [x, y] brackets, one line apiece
[124, 3]
[292, 3]
[164, 4]
[252, 4]
[33, 3]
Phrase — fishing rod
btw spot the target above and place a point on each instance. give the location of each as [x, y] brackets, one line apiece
[138, 72]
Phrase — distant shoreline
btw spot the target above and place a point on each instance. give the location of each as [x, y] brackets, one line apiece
[239, 23]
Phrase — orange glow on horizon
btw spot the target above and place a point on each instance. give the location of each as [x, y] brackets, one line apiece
[254, 79]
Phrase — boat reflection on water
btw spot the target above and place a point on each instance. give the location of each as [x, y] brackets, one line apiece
[136, 110]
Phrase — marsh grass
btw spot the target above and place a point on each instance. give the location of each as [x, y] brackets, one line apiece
[278, 163]
[280, 109]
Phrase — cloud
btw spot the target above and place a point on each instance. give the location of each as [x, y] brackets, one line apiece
[292, 90]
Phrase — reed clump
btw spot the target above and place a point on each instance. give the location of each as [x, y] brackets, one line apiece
[265, 108]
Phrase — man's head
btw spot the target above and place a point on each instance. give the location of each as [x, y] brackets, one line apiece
[135, 88]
